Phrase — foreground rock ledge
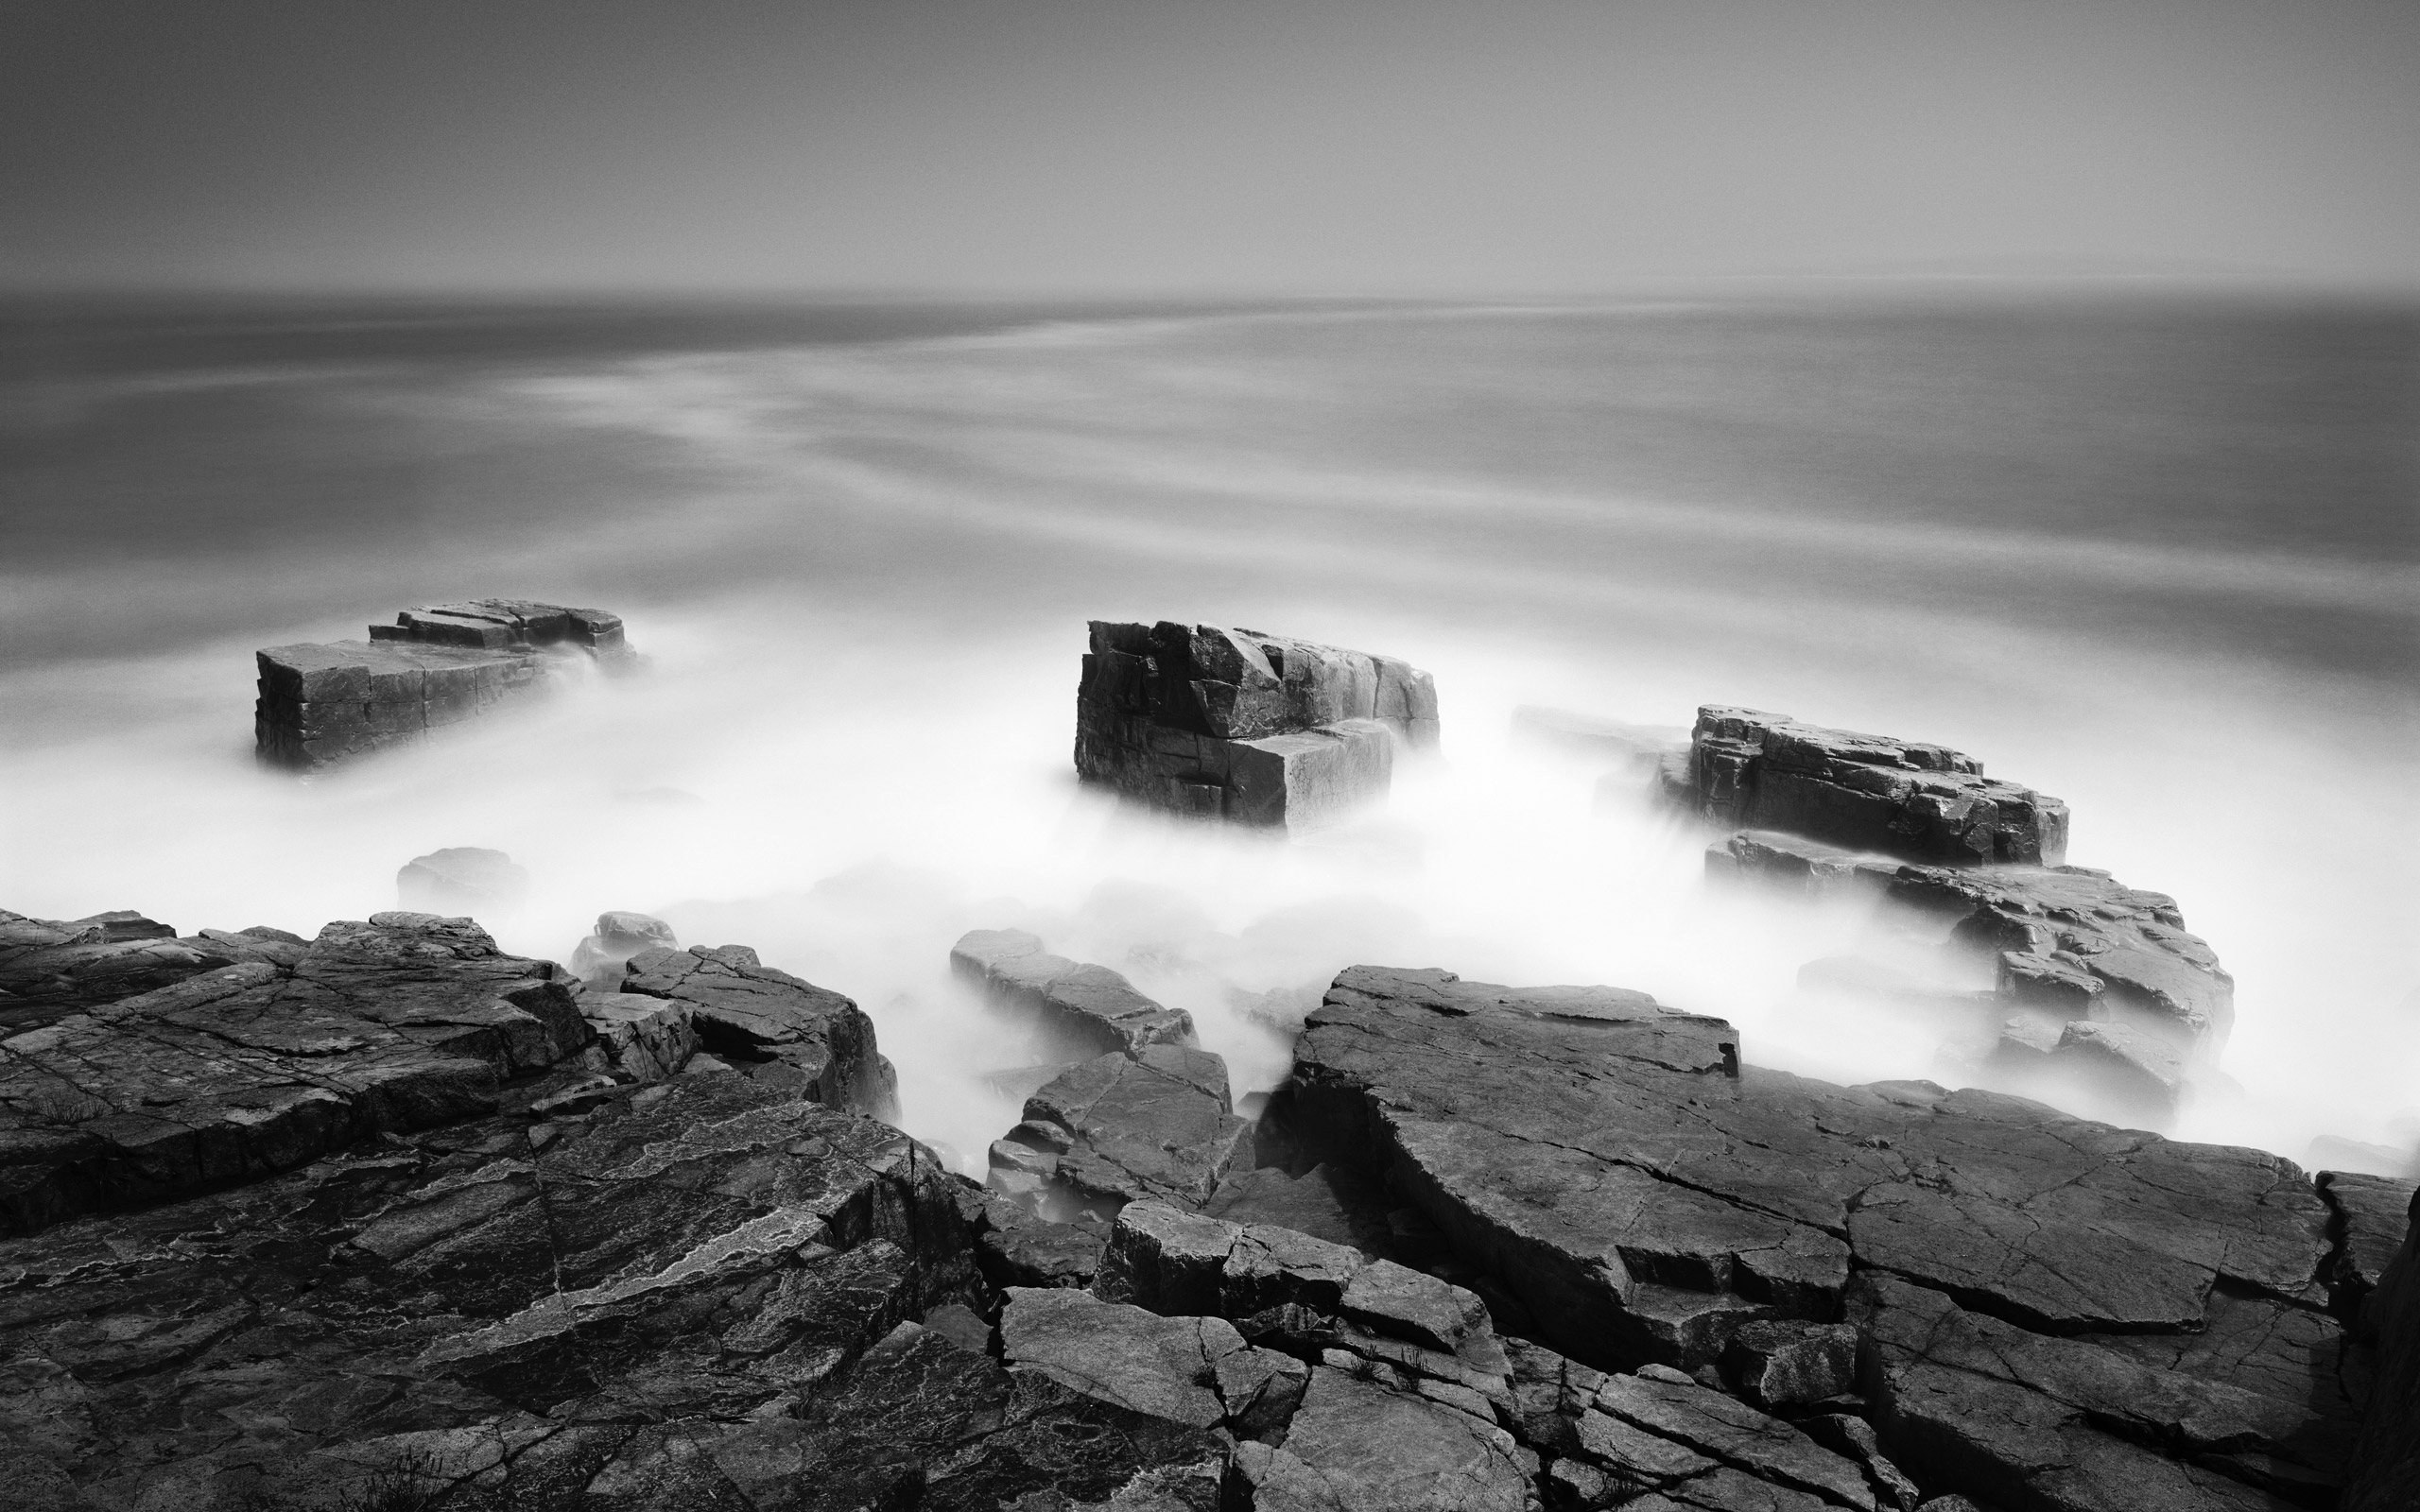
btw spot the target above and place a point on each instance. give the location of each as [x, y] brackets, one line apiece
[434, 667]
[1256, 729]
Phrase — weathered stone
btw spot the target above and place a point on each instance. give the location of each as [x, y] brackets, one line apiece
[1159, 1125]
[643, 1039]
[401, 1023]
[1076, 1011]
[448, 1301]
[2384, 1472]
[1853, 1438]
[1354, 1446]
[1253, 728]
[461, 880]
[1327, 1202]
[1663, 1402]
[2067, 942]
[1926, 804]
[598, 958]
[432, 668]
[51, 968]
[2123, 1067]
[1018, 1247]
[771, 1024]
[1790, 1363]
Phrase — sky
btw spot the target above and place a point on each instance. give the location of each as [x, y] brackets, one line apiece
[1057, 146]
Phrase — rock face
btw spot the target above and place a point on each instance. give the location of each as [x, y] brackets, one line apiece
[1920, 803]
[2383, 1290]
[771, 1025]
[2052, 1312]
[1253, 728]
[432, 668]
[1076, 1011]
[52, 968]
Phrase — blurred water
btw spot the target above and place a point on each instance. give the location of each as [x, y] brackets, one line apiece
[2156, 556]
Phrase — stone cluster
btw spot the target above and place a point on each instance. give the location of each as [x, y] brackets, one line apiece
[1235, 725]
[434, 667]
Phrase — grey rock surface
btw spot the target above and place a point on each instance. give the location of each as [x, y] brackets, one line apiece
[1077, 1011]
[468, 879]
[1918, 803]
[771, 1024]
[1158, 1124]
[599, 957]
[51, 968]
[1256, 729]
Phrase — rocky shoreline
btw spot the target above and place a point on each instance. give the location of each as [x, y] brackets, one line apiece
[390, 1218]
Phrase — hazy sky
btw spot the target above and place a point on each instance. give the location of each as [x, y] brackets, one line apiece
[1360, 145]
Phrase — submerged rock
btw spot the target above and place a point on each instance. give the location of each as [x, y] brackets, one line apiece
[461, 880]
[434, 667]
[1076, 1011]
[1747, 770]
[1253, 728]
[599, 957]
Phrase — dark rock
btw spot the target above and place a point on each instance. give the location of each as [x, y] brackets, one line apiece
[402, 1023]
[1926, 803]
[1853, 1438]
[1196, 1371]
[2371, 1215]
[598, 958]
[2384, 1474]
[1677, 1412]
[1156, 1126]
[1327, 1202]
[1791, 1363]
[642, 1038]
[461, 880]
[433, 668]
[1076, 1011]
[771, 1024]
[50, 967]
[1356, 1446]
[1018, 1247]
[2122, 1069]
[1250, 728]
[2068, 942]
[451, 1303]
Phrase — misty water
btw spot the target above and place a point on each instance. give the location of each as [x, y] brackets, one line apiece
[2156, 556]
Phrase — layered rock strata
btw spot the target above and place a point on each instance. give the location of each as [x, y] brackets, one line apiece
[434, 667]
[1746, 770]
[771, 1025]
[2050, 1312]
[1256, 729]
[52, 968]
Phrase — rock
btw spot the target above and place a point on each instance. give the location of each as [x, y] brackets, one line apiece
[2068, 942]
[643, 1039]
[2384, 1473]
[1918, 803]
[1791, 1363]
[1354, 1446]
[1196, 1371]
[401, 1023]
[1253, 728]
[461, 880]
[433, 668]
[1076, 1011]
[2371, 1215]
[1644, 1200]
[1853, 1438]
[449, 1303]
[771, 1024]
[1673, 1412]
[1156, 1126]
[1327, 1202]
[2122, 1069]
[598, 958]
[51, 968]
[1018, 1247]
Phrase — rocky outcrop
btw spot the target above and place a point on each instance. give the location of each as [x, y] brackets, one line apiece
[433, 668]
[1746, 770]
[1075, 1011]
[771, 1025]
[52, 968]
[1253, 728]
[2050, 1312]
[1114, 1129]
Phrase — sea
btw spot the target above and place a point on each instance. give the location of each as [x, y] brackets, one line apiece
[2152, 550]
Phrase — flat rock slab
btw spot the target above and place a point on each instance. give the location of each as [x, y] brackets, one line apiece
[52, 968]
[403, 1022]
[1356, 1446]
[1905, 799]
[771, 1021]
[1077, 1011]
[1160, 1125]
[467, 1306]
[1648, 1202]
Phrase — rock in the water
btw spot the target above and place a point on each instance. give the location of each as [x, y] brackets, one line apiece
[2065, 942]
[1639, 748]
[1076, 1011]
[401, 1023]
[1253, 728]
[1159, 1125]
[672, 1294]
[432, 668]
[598, 958]
[771, 1024]
[466, 880]
[1748, 770]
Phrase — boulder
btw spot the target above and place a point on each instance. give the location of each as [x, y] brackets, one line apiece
[1790, 1363]
[400, 1023]
[2132, 1073]
[643, 1039]
[770, 1024]
[1256, 729]
[1076, 1011]
[462, 880]
[1356, 1445]
[434, 667]
[598, 958]
[1918, 803]
[1159, 1125]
